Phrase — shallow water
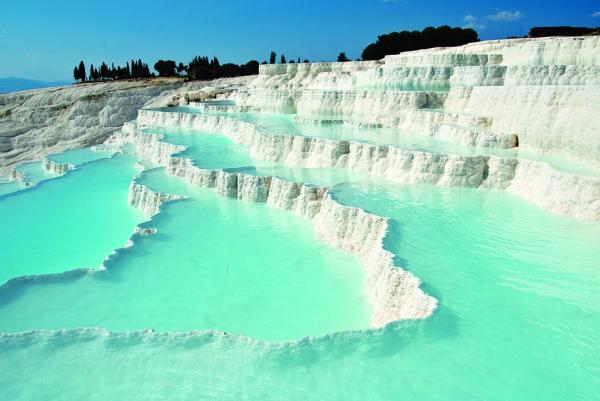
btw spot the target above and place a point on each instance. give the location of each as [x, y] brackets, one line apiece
[518, 319]
[214, 151]
[517, 288]
[34, 172]
[7, 186]
[518, 316]
[69, 222]
[271, 279]
[78, 157]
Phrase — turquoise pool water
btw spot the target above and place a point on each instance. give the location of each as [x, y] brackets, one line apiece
[270, 280]
[518, 315]
[78, 157]
[34, 172]
[214, 151]
[69, 222]
[7, 186]
[511, 325]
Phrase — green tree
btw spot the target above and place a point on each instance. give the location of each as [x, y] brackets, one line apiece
[272, 58]
[103, 71]
[82, 74]
[398, 42]
[282, 61]
[342, 57]
[251, 67]
[165, 68]
[215, 67]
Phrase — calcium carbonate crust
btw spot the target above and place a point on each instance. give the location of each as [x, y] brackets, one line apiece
[548, 188]
[40, 122]
[393, 293]
[539, 94]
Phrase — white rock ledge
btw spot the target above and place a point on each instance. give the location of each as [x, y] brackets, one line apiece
[55, 167]
[147, 200]
[548, 188]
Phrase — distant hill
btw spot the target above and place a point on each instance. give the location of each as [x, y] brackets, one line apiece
[12, 84]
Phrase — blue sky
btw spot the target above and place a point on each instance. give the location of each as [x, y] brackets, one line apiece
[45, 39]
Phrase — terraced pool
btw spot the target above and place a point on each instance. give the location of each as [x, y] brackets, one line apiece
[231, 299]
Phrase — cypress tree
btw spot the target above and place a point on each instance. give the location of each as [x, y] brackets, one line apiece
[82, 74]
[103, 71]
[272, 58]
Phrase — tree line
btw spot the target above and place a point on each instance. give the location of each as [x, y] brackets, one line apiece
[198, 68]
[398, 42]
[202, 67]
[135, 69]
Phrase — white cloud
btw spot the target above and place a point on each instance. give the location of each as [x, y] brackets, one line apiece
[596, 14]
[470, 18]
[505, 16]
[473, 25]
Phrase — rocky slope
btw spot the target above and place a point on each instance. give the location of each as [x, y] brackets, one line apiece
[35, 123]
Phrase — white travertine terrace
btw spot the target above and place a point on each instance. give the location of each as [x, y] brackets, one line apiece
[55, 167]
[536, 95]
[392, 292]
[542, 91]
[147, 200]
[478, 95]
[550, 189]
[39, 122]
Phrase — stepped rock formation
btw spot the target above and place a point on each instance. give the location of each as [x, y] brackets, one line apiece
[38, 122]
[535, 95]
[392, 292]
[538, 93]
